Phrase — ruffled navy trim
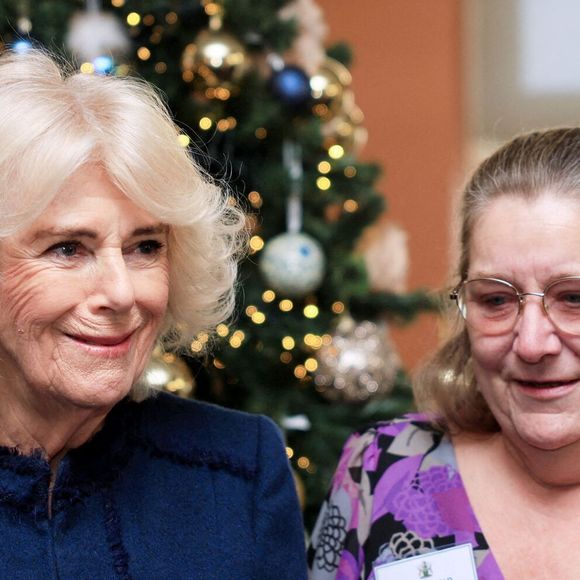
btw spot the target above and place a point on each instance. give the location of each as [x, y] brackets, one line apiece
[165, 427]
[25, 479]
[199, 458]
[115, 536]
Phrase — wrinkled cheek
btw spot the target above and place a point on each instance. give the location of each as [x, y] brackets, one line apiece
[489, 352]
[19, 305]
[157, 297]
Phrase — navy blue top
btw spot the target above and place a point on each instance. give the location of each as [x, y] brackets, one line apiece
[168, 488]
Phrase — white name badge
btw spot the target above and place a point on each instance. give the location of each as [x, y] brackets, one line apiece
[454, 563]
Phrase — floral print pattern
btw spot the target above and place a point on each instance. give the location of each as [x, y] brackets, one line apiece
[396, 493]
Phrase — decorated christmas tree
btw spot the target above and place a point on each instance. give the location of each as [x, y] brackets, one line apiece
[269, 110]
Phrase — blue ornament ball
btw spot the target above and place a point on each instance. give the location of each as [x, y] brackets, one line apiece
[293, 264]
[21, 45]
[291, 85]
[104, 65]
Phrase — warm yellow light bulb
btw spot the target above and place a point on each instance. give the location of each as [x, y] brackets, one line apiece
[222, 330]
[205, 123]
[311, 364]
[323, 183]
[269, 296]
[196, 346]
[133, 18]
[311, 311]
[223, 125]
[143, 53]
[300, 371]
[313, 340]
[336, 151]
[258, 318]
[171, 17]
[288, 343]
[87, 68]
[256, 243]
[350, 205]
[184, 140]
[255, 198]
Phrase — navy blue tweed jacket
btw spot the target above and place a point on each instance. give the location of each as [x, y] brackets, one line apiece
[168, 489]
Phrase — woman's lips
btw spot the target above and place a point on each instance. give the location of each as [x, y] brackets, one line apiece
[117, 345]
[546, 389]
[544, 384]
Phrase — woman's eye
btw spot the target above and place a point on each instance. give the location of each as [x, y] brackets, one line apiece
[65, 249]
[494, 300]
[149, 247]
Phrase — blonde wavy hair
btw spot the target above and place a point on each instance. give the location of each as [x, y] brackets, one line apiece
[54, 120]
[527, 166]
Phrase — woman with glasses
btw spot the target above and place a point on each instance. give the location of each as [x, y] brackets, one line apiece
[485, 481]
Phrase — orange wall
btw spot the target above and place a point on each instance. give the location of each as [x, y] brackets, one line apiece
[407, 79]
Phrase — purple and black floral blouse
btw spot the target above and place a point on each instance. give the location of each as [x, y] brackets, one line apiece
[396, 493]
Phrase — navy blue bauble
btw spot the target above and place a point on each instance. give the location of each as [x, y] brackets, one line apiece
[291, 85]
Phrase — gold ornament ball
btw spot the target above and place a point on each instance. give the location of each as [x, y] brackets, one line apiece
[217, 57]
[328, 87]
[359, 363]
[346, 130]
[169, 373]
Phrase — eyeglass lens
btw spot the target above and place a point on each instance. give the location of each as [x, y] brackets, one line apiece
[492, 306]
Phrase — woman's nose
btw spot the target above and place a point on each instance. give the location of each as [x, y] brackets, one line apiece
[113, 287]
[535, 334]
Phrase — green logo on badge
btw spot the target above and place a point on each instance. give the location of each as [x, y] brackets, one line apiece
[425, 570]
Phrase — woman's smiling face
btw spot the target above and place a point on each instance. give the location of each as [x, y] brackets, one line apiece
[83, 293]
[530, 375]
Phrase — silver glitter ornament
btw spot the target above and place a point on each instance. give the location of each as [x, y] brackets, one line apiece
[358, 364]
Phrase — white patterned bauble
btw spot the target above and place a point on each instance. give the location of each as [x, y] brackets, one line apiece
[94, 34]
[293, 264]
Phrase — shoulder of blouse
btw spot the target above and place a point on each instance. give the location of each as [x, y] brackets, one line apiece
[409, 435]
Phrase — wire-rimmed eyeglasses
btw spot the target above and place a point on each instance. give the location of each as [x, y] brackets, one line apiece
[492, 305]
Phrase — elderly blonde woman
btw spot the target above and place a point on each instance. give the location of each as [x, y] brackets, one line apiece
[485, 483]
[111, 237]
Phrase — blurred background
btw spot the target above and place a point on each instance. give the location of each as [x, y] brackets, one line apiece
[346, 130]
[442, 85]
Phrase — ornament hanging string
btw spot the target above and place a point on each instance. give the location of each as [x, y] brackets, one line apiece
[93, 5]
[292, 160]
